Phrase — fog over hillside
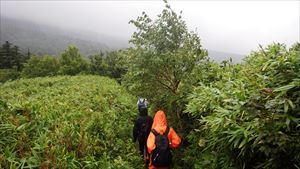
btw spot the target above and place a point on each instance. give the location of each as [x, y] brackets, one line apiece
[227, 26]
[44, 39]
[219, 56]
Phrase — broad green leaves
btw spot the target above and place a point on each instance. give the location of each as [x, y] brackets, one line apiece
[66, 122]
[249, 114]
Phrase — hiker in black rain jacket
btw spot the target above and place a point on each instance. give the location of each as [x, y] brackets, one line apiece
[142, 126]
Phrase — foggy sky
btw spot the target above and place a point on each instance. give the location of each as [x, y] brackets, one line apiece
[228, 26]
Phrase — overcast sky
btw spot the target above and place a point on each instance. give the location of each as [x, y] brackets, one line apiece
[229, 26]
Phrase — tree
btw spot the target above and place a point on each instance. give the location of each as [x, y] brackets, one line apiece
[163, 55]
[27, 55]
[97, 64]
[5, 56]
[111, 64]
[72, 62]
[116, 64]
[41, 66]
[11, 57]
[16, 58]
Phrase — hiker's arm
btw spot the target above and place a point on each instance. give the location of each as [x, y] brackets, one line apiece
[174, 138]
[151, 142]
[135, 131]
[151, 122]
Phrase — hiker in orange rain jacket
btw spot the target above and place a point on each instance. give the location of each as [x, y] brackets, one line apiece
[160, 127]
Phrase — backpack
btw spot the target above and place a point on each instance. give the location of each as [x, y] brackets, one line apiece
[161, 156]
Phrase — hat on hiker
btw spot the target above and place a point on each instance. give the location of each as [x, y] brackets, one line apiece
[142, 103]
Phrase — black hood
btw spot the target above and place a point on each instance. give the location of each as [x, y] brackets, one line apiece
[143, 111]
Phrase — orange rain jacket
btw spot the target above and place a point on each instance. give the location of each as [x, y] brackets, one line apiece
[160, 125]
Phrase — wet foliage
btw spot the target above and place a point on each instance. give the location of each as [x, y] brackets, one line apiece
[66, 122]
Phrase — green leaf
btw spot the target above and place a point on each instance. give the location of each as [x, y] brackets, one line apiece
[236, 142]
[243, 142]
[287, 122]
[21, 127]
[291, 103]
[285, 88]
[265, 66]
[286, 107]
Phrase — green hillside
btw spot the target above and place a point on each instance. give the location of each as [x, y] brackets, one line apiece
[66, 122]
[43, 39]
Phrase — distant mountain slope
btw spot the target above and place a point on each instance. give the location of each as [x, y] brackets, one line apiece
[42, 39]
[221, 56]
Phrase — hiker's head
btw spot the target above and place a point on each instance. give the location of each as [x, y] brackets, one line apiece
[160, 120]
[142, 103]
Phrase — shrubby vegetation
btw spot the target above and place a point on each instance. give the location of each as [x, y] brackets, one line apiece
[163, 55]
[41, 66]
[236, 115]
[70, 62]
[8, 74]
[248, 115]
[66, 122]
[111, 64]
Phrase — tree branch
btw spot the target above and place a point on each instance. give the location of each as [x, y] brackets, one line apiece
[163, 84]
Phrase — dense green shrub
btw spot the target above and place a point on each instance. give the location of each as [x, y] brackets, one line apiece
[8, 74]
[66, 122]
[72, 62]
[41, 66]
[111, 64]
[249, 117]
